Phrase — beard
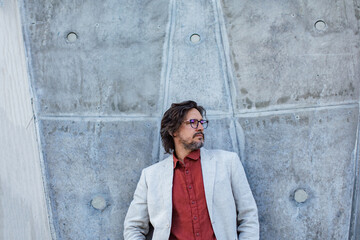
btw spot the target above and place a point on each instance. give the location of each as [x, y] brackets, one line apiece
[193, 145]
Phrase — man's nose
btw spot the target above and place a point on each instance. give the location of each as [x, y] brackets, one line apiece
[200, 127]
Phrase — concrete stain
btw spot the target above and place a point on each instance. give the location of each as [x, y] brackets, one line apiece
[243, 91]
[314, 95]
[275, 120]
[64, 129]
[351, 87]
[249, 103]
[304, 120]
[262, 104]
[357, 13]
[236, 65]
[317, 94]
[283, 100]
[52, 131]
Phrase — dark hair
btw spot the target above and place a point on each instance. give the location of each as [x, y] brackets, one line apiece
[172, 120]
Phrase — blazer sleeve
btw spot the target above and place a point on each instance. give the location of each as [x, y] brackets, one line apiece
[136, 224]
[247, 214]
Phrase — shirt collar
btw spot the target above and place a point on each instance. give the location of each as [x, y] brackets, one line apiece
[194, 155]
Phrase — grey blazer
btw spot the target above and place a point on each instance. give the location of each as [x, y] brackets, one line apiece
[232, 208]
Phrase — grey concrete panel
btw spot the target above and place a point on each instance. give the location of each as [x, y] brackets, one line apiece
[282, 59]
[95, 160]
[221, 134]
[112, 67]
[308, 150]
[196, 70]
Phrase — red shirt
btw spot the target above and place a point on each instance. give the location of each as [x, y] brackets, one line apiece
[190, 217]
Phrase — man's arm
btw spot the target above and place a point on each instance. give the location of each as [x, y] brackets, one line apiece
[247, 214]
[136, 224]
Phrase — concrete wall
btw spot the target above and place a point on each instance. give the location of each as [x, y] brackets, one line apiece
[280, 81]
[23, 212]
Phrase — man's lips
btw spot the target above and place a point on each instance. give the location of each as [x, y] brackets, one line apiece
[198, 135]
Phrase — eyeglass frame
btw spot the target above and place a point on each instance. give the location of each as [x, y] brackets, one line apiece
[202, 121]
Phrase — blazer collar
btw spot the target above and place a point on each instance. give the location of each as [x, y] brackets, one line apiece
[208, 166]
[166, 185]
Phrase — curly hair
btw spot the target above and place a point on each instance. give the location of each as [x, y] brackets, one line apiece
[172, 120]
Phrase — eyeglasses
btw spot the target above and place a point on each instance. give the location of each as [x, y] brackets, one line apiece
[194, 123]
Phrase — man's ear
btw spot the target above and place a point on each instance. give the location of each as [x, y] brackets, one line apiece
[173, 134]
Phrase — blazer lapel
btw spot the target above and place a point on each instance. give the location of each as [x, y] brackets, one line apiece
[166, 185]
[208, 166]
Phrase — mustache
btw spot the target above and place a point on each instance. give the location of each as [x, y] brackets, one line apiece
[199, 133]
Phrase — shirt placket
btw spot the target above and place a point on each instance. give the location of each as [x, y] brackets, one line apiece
[193, 200]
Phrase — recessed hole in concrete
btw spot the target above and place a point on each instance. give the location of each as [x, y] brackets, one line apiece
[195, 38]
[320, 25]
[300, 195]
[98, 203]
[71, 37]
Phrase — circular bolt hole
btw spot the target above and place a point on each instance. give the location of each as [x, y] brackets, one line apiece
[300, 196]
[71, 37]
[98, 203]
[320, 25]
[195, 38]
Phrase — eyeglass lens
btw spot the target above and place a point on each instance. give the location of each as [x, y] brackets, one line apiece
[194, 123]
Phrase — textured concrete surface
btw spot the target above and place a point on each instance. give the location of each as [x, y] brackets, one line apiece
[302, 150]
[196, 68]
[23, 212]
[280, 81]
[280, 58]
[88, 159]
[85, 77]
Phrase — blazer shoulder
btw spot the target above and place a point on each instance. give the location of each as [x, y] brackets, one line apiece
[219, 153]
[225, 157]
[159, 165]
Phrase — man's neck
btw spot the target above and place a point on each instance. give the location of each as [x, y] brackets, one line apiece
[181, 154]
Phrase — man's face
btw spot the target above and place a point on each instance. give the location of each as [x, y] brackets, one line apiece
[188, 137]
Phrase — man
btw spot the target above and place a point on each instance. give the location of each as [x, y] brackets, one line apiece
[192, 194]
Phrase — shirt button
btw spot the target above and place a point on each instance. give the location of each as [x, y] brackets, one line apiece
[193, 202]
[187, 171]
[195, 218]
[197, 234]
[190, 187]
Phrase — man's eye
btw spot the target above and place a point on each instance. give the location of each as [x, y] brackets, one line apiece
[192, 120]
